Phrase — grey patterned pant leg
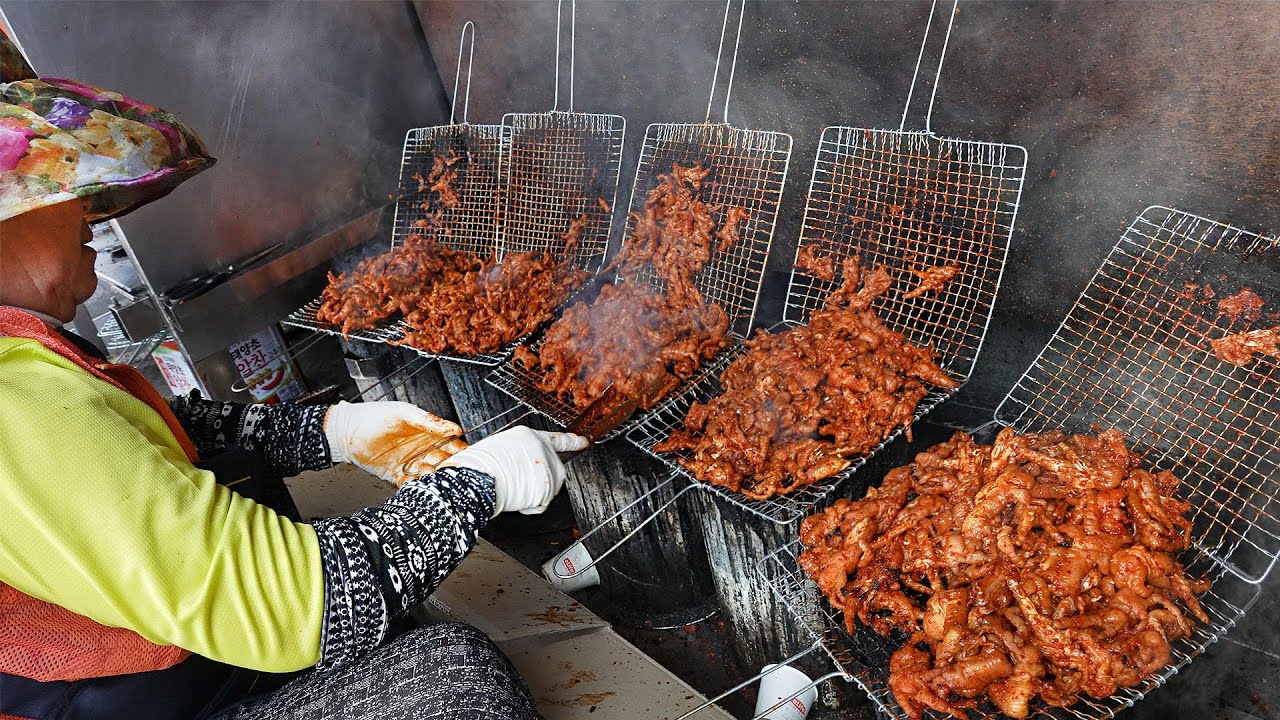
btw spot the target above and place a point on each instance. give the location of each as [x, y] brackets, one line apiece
[440, 672]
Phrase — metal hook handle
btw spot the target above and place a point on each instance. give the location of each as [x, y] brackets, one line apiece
[573, 43]
[403, 380]
[653, 516]
[733, 67]
[756, 678]
[928, 118]
[457, 74]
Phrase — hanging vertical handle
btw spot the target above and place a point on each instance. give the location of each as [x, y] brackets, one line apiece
[457, 75]
[937, 76]
[733, 65]
[573, 42]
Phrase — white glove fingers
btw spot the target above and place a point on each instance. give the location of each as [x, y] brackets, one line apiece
[566, 442]
[435, 425]
[453, 446]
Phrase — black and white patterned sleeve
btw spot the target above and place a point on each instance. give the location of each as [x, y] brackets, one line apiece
[290, 437]
[383, 561]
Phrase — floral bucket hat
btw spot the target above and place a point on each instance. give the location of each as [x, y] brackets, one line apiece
[61, 139]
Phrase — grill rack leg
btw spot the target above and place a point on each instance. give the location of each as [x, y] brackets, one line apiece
[652, 516]
[758, 676]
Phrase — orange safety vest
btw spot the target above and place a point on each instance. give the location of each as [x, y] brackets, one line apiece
[38, 639]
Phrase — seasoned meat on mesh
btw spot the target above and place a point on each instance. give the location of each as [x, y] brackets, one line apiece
[452, 301]
[652, 328]
[382, 286]
[800, 403]
[1239, 349]
[932, 279]
[1041, 566]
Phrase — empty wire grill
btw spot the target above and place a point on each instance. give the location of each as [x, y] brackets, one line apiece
[1134, 355]
[748, 170]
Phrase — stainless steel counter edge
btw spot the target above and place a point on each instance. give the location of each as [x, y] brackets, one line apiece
[228, 312]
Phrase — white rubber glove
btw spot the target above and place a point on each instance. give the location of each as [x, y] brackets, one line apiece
[396, 441]
[526, 471]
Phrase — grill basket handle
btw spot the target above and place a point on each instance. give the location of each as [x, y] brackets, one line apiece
[733, 65]
[573, 42]
[457, 74]
[937, 75]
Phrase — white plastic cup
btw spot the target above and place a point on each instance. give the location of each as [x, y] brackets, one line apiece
[568, 562]
[783, 682]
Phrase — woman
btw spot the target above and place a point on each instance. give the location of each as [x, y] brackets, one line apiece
[134, 583]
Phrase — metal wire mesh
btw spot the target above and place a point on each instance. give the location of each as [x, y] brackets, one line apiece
[305, 317]
[902, 200]
[782, 509]
[1133, 355]
[555, 167]
[470, 225]
[912, 201]
[519, 384]
[863, 656]
[748, 171]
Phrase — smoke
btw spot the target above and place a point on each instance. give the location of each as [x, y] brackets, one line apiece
[1120, 105]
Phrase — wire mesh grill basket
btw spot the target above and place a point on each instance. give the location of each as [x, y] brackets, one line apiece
[467, 221]
[305, 317]
[518, 383]
[748, 170]
[903, 201]
[910, 201]
[467, 225]
[781, 509]
[1133, 355]
[556, 167]
[863, 656]
[470, 224]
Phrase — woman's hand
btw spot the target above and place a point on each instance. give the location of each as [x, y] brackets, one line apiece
[396, 441]
[524, 466]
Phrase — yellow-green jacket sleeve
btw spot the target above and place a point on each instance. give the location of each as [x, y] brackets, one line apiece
[105, 516]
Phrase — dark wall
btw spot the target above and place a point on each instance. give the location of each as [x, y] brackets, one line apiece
[1120, 105]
